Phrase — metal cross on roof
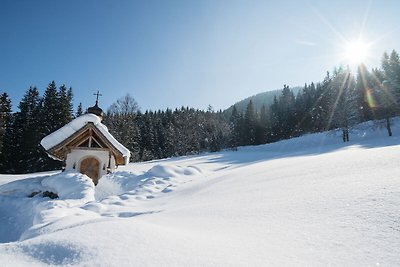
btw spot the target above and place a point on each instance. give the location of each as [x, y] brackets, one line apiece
[97, 97]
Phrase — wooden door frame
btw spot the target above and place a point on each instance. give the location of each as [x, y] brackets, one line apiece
[95, 179]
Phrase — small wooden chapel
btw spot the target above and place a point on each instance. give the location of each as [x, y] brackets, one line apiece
[86, 146]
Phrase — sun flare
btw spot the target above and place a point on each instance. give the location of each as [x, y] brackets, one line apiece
[356, 52]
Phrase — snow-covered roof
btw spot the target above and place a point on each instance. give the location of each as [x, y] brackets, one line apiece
[74, 126]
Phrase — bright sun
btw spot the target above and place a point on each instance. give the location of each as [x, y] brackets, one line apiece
[356, 52]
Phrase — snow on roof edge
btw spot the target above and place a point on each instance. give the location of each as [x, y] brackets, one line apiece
[124, 151]
[75, 125]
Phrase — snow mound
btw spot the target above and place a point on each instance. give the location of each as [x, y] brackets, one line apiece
[70, 185]
[74, 200]
[66, 185]
[160, 178]
[172, 171]
[36, 209]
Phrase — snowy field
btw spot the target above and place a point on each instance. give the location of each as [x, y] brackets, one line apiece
[309, 201]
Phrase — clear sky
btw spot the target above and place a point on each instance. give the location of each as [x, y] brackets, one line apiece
[192, 53]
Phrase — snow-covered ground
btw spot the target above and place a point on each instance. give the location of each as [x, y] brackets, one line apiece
[309, 201]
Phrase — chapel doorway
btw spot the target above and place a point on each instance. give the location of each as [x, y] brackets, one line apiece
[91, 167]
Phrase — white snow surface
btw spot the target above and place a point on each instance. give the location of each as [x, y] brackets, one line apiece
[308, 201]
[75, 125]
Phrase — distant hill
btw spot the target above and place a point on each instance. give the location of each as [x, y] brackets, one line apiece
[265, 98]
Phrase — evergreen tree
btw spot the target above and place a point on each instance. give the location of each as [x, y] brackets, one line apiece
[387, 105]
[305, 104]
[169, 144]
[345, 110]
[264, 119]
[234, 128]
[323, 109]
[262, 126]
[250, 125]
[213, 130]
[56, 111]
[149, 137]
[79, 110]
[65, 110]
[391, 76]
[5, 117]
[287, 112]
[283, 115]
[365, 92]
[22, 149]
[275, 129]
[50, 110]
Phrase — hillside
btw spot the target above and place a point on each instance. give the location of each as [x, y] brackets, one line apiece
[308, 201]
[265, 98]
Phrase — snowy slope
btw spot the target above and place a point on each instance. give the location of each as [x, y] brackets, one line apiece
[309, 201]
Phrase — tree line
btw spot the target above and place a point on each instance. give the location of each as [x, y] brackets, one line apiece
[341, 100]
[21, 131]
[161, 134]
[148, 135]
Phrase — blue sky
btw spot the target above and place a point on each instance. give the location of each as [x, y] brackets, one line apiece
[191, 53]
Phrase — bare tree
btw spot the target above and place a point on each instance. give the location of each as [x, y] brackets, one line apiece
[121, 122]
